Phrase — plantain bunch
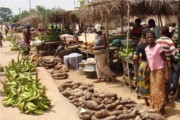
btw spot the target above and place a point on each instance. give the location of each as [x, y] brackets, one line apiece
[23, 90]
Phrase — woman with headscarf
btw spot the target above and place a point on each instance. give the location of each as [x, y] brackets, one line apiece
[100, 44]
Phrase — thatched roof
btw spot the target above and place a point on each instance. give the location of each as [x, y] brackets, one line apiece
[100, 10]
[62, 16]
[154, 7]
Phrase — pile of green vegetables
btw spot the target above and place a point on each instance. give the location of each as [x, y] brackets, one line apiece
[23, 90]
[124, 52]
[49, 36]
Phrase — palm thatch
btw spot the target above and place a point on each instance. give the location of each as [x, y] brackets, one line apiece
[154, 7]
[59, 15]
[102, 10]
[109, 9]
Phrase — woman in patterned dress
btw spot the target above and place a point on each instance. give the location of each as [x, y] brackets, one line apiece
[159, 73]
[143, 77]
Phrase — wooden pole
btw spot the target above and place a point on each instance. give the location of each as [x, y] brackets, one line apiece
[127, 43]
[160, 21]
[85, 28]
[179, 23]
[107, 39]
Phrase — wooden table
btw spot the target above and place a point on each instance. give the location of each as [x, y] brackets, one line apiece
[48, 47]
[131, 80]
[88, 52]
[85, 51]
[51, 46]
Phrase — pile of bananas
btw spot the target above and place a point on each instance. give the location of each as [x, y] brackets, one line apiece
[23, 90]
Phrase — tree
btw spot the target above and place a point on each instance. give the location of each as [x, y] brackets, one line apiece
[5, 13]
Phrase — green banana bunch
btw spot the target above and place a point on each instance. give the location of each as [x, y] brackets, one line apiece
[22, 90]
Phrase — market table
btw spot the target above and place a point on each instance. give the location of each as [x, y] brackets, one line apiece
[131, 80]
[89, 52]
[48, 47]
[51, 46]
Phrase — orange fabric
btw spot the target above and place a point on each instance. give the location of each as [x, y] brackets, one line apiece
[157, 89]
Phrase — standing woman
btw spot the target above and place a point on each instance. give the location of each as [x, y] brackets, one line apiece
[27, 37]
[6, 30]
[100, 44]
[143, 74]
[159, 73]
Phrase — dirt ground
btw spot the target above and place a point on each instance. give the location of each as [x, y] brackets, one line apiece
[173, 108]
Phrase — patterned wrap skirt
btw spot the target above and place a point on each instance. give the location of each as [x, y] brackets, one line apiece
[102, 67]
[143, 84]
[157, 89]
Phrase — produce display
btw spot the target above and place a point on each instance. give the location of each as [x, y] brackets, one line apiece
[59, 72]
[105, 106]
[87, 45]
[43, 62]
[14, 45]
[48, 36]
[123, 52]
[23, 90]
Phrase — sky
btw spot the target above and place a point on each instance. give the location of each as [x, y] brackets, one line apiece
[19, 5]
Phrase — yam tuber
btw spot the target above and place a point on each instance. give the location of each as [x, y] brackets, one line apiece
[110, 118]
[102, 113]
[69, 81]
[58, 74]
[77, 94]
[96, 94]
[101, 106]
[116, 112]
[127, 116]
[84, 87]
[108, 95]
[87, 95]
[91, 112]
[130, 105]
[84, 117]
[61, 77]
[94, 118]
[120, 107]
[153, 116]
[113, 105]
[138, 118]
[92, 105]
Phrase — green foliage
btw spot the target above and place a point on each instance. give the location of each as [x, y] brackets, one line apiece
[5, 14]
[16, 18]
[49, 36]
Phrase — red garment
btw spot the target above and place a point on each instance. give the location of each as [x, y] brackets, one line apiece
[137, 30]
[26, 36]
